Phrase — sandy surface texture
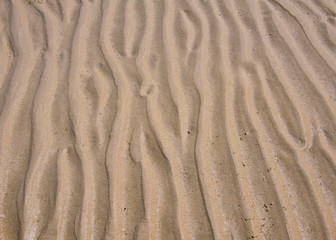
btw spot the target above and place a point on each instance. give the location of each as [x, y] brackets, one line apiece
[167, 119]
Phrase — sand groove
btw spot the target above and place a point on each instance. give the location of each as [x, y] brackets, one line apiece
[145, 119]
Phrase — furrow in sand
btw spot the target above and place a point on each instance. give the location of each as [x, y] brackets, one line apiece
[324, 6]
[310, 61]
[159, 194]
[249, 161]
[326, 207]
[6, 44]
[315, 29]
[324, 119]
[185, 167]
[282, 168]
[304, 229]
[263, 66]
[285, 114]
[180, 72]
[16, 115]
[68, 197]
[135, 25]
[151, 64]
[222, 192]
[321, 175]
[126, 207]
[155, 76]
[92, 93]
[173, 142]
[229, 38]
[267, 35]
[283, 110]
[51, 113]
[300, 89]
[283, 204]
[326, 14]
[240, 165]
[256, 171]
[252, 37]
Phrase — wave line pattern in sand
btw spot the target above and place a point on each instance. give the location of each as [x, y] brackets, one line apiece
[165, 119]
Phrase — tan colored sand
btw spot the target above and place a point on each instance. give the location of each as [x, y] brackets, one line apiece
[168, 119]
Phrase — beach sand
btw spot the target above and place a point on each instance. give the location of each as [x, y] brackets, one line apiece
[168, 119]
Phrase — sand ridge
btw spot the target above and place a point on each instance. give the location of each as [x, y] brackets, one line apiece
[195, 119]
